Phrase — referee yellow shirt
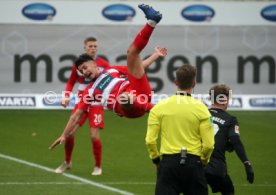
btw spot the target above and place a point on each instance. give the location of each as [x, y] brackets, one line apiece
[182, 121]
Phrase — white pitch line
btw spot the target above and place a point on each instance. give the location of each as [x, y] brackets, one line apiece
[111, 183]
[152, 183]
[129, 183]
[67, 175]
[41, 183]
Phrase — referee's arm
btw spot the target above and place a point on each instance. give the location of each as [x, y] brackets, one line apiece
[208, 140]
[153, 129]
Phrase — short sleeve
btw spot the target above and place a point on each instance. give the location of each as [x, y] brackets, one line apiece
[234, 128]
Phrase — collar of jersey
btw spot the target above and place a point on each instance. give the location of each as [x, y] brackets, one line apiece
[182, 93]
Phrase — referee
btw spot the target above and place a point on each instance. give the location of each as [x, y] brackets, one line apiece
[227, 137]
[187, 139]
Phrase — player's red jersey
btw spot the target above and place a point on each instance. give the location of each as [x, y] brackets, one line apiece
[77, 76]
[110, 84]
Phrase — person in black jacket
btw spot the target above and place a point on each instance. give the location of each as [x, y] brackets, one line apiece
[227, 138]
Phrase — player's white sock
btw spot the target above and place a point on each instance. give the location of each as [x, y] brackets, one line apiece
[152, 23]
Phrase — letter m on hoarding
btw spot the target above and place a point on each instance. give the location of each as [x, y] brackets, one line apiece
[19, 60]
[256, 63]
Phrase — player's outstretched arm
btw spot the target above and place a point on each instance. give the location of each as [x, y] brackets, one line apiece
[158, 52]
[65, 101]
[73, 121]
[240, 151]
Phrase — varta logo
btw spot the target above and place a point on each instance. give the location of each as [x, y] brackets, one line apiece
[17, 101]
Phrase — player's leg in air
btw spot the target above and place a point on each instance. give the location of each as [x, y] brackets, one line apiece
[136, 72]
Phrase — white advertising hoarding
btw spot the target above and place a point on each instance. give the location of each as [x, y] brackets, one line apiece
[37, 59]
[229, 42]
[53, 101]
[127, 13]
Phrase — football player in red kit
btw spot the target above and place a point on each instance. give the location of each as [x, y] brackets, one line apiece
[95, 115]
[129, 97]
[96, 112]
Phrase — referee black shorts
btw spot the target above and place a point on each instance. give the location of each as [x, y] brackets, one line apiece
[174, 178]
[219, 184]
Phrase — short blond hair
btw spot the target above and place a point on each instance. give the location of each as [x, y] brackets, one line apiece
[89, 39]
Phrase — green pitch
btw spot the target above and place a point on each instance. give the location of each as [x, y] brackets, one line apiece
[26, 164]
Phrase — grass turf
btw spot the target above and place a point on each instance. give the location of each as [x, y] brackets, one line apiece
[27, 134]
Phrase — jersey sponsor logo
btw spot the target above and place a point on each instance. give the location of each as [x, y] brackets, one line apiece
[118, 12]
[17, 101]
[39, 11]
[269, 13]
[262, 102]
[104, 82]
[198, 13]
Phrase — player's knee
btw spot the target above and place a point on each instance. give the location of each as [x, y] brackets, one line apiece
[132, 51]
[94, 134]
[94, 138]
[71, 135]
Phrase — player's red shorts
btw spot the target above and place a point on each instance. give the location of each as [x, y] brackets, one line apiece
[96, 116]
[94, 113]
[142, 89]
[141, 86]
